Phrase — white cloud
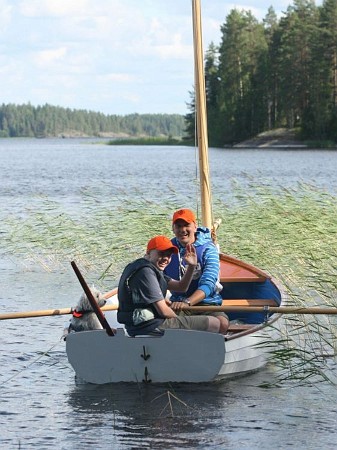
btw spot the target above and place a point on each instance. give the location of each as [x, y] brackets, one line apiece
[43, 8]
[173, 48]
[119, 77]
[5, 15]
[133, 98]
[50, 56]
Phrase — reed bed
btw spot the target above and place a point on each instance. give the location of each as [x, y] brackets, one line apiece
[290, 233]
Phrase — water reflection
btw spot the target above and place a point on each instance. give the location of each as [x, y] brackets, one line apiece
[236, 414]
[170, 416]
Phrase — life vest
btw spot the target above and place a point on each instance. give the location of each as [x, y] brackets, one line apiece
[176, 269]
[126, 306]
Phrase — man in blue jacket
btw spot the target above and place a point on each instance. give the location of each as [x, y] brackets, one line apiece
[204, 288]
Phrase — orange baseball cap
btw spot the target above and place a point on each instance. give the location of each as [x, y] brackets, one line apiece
[161, 243]
[185, 214]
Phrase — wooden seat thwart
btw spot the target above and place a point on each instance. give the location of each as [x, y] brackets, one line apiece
[249, 302]
[240, 327]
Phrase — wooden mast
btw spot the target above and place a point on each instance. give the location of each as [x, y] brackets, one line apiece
[201, 117]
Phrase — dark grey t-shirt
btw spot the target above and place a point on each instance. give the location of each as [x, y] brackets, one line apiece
[145, 286]
[146, 289]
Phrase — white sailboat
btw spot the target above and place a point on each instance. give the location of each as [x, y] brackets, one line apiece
[186, 355]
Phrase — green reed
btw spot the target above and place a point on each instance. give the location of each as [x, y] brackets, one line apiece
[147, 141]
[291, 233]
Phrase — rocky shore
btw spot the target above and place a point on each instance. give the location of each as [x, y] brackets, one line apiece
[279, 138]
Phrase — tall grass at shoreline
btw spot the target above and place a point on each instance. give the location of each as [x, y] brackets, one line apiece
[289, 233]
[148, 141]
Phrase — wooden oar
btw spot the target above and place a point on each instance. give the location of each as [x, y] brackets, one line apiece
[273, 309]
[48, 312]
[92, 300]
[268, 309]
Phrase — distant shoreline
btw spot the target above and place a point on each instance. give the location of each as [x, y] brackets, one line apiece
[278, 139]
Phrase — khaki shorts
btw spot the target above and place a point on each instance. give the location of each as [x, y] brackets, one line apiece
[199, 323]
[204, 313]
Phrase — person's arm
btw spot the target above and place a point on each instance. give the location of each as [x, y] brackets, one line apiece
[209, 276]
[192, 300]
[196, 297]
[164, 310]
[207, 280]
[191, 259]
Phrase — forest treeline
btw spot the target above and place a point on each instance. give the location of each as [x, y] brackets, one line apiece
[42, 121]
[274, 73]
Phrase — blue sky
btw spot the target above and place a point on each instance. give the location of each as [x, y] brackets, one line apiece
[112, 56]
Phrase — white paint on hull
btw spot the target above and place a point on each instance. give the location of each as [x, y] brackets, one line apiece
[178, 356]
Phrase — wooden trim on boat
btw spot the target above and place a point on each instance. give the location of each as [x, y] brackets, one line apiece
[238, 327]
[237, 330]
[235, 270]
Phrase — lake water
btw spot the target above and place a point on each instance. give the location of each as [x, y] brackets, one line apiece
[42, 407]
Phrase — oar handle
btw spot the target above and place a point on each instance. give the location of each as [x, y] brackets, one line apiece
[92, 301]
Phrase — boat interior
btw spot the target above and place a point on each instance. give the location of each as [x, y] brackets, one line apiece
[245, 285]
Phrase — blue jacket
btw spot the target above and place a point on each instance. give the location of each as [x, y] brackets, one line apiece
[206, 273]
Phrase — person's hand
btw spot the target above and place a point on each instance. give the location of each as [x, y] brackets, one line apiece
[178, 306]
[190, 256]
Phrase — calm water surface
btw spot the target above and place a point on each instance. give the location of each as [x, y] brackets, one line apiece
[42, 407]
